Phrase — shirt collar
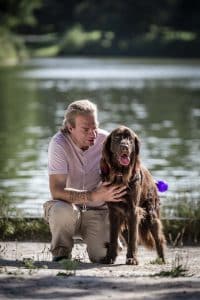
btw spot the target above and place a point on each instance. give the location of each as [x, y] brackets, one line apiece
[80, 151]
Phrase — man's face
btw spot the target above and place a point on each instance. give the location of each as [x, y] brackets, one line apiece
[85, 131]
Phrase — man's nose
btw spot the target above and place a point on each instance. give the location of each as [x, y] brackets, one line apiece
[93, 133]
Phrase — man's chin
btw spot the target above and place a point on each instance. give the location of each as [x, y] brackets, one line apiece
[91, 143]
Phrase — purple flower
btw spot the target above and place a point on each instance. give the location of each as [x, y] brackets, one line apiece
[162, 185]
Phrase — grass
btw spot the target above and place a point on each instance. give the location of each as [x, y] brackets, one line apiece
[24, 229]
[29, 263]
[70, 267]
[33, 264]
[157, 261]
[185, 230]
[178, 269]
[177, 232]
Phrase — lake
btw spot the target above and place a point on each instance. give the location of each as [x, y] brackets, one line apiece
[158, 99]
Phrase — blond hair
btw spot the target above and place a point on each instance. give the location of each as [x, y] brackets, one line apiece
[80, 107]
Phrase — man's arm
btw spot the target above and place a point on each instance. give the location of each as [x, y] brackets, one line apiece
[105, 192]
[57, 183]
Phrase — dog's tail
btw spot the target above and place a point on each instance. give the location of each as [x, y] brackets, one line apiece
[146, 237]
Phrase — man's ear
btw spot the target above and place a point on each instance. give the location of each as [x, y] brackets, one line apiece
[69, 127]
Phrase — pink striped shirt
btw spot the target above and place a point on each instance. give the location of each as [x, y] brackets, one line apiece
[81, 167]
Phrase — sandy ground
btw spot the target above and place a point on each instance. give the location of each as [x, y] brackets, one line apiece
[26, 272]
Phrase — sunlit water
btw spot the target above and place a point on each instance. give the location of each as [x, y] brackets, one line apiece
[159, 99]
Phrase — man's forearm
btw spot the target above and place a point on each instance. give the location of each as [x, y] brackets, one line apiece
[77, 196]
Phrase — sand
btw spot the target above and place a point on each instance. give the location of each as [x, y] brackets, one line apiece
[26, 272]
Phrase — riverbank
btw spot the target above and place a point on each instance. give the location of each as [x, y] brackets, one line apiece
[27, 272]
[178, 231]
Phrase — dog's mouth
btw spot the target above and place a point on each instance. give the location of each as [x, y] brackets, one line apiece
[124, 159]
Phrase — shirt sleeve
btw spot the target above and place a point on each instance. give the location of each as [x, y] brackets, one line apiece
[57, 159]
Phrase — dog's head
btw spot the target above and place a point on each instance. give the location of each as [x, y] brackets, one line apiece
[121, 148]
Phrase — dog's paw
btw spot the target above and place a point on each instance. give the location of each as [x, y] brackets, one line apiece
[107, 260]
[132, 261]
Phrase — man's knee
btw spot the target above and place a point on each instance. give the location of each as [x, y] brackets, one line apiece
[63, 218]
[63, 212]
[96, 253]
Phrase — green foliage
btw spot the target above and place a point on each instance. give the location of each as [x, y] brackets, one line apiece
[177, 232]
[29, 263]
[16, 12]
[185, 227]
[134, 28]
[182, 232]
[24, 229]
[76, 39]
[70, 266]
[178, 269]
[157, 261]
[6, 207]
[12, 48]
[126, 19]
[188, 209]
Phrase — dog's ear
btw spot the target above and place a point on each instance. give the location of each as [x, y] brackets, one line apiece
[104, 169]
[105, 159]
[137, 145]
[135, 154]
[137, 151]
[106, 153]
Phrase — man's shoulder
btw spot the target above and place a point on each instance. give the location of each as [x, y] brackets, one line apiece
[102, 133]
[58, 138]
[101, 136]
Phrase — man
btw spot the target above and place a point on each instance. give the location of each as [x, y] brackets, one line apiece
[79, 198]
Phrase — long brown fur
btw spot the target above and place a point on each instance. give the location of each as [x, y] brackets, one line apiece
[137, 218]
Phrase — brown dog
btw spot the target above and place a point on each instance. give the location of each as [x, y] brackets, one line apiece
[137, 218]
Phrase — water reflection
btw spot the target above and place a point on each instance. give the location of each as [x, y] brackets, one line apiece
[160, 100]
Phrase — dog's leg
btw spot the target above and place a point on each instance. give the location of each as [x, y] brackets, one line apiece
[157, 233]
[124, 236]
[115, 225]
[133, 223]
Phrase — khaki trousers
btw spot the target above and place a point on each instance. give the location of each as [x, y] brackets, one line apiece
[67, 220]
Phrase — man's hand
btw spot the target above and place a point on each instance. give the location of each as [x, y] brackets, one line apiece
[108, 193]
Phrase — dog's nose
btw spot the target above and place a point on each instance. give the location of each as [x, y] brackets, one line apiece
[124, 147]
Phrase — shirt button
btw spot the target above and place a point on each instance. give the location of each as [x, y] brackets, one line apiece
[85, 161]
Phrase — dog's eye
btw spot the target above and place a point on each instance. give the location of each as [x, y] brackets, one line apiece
[128, 139]
[116, 138]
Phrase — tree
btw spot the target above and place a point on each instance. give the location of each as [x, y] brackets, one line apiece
[16, 12]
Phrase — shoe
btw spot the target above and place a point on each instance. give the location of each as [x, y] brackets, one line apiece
[59, 258]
